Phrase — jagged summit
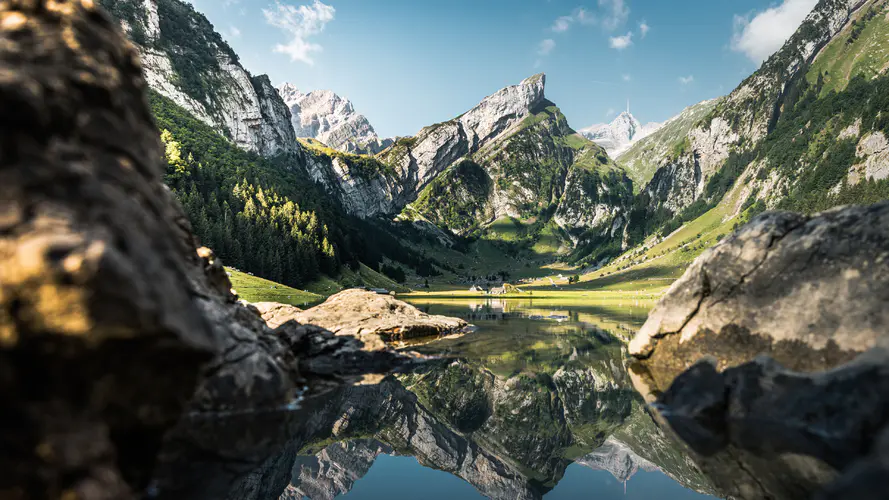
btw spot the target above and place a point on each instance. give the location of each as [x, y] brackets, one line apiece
[331, 119]
[617, 137]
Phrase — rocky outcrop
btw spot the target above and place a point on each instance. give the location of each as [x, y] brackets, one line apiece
[809, 291]
[873, 148]
[112, 322]
[676, 184]
[372, 317]
[327, 117]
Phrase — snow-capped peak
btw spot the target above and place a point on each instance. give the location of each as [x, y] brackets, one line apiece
[617, 136]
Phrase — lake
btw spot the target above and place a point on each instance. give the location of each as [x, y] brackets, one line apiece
[535, 403]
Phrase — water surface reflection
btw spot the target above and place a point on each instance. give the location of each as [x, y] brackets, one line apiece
[535, 403]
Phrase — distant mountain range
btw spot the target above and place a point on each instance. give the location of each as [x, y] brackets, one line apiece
[619, 135]
[807, 131]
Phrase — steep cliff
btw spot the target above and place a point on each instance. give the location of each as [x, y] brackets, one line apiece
[185, 60]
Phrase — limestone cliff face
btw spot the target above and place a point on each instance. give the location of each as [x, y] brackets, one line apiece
[188, 62]
[677, 184]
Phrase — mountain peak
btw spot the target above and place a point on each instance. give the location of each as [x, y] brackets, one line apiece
[616, 137]
[539, 78]
[331, 119]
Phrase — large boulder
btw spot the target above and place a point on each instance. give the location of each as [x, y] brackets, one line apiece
[376, 318]
[790, 317]
[809, 291]
[112, 322]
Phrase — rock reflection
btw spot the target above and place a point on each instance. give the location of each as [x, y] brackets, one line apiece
[507, 410]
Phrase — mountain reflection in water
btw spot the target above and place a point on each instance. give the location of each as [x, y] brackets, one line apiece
[508, 409]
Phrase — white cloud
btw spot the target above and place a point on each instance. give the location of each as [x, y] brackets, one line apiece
[300, 23]
[615, 13]
[545, 47]
[234, 32]
[685, 80]
[621, 42]
[626, 78]
[759, 36]
[610, 113]
[579, 15]
[612, 14]
[563, 24]
[644, 28]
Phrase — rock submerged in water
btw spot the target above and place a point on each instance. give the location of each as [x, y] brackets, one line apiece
[375, 318]
[112, 322]
[793, 310]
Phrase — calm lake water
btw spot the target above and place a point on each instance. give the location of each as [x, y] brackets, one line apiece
[536, 403]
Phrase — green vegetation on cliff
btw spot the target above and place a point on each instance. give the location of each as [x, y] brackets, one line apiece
[862, 49]
[458, 198]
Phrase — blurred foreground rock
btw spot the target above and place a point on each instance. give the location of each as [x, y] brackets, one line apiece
[793, 311]
[112, 322]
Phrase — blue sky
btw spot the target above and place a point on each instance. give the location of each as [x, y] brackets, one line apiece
[410, 63]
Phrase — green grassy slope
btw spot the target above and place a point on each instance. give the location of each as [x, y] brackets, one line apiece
[861, 49]
[256, 289]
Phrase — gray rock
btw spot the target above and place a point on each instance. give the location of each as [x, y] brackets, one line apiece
[809, 291]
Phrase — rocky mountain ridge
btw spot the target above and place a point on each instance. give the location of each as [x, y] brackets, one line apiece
[619, 135]
[331, 119]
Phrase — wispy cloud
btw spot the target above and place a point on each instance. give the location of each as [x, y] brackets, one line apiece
[563, 24]
[610, 113]
[577, 16]
[759, 35]
[610, 15]
[626, 78]
[545, 47]
[234, 32]
[644, 28]
[614, 13]
[621, 42]
[300, 23]
[685, 80]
